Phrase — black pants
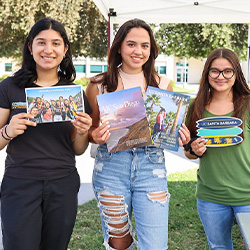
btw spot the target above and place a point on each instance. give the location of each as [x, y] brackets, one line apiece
[38, 215]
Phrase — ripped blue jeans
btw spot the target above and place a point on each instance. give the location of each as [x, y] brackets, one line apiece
[133, 179]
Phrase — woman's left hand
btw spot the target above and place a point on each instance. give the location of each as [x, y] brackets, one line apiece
[185, 135]
[82, 123]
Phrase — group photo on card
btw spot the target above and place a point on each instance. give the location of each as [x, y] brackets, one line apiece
[54, 104]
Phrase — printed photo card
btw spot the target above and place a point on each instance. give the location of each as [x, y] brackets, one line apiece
[54, 104]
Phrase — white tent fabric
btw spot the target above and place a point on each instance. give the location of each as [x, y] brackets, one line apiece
[177, 11]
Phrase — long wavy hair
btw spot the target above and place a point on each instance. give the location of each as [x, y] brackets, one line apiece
[28, 74]
[240, 90]
[109, 79]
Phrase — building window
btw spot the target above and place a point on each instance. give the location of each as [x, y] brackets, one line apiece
[8, 67]
[163, 70]
[181, 72]
[105, 68]
[80, 68]
[95, 68]
[181, 64]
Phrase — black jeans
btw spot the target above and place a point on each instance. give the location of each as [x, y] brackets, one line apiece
[38, 215]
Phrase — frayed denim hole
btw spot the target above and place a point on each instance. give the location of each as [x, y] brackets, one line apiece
[159, 196]
[103, 154]
[156, 156]
[115, 215]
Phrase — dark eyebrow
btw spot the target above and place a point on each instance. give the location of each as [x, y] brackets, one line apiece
[223, 69]
[131, 41]
[42, 39]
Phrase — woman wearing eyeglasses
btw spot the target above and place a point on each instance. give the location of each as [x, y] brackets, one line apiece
[223, 177]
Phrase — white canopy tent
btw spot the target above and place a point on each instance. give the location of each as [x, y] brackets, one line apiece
[177, 11]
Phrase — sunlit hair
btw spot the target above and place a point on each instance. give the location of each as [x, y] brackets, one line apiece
[240, 89]
[27, 74]
[110, 78]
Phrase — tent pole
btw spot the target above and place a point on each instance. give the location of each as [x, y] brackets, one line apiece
[110, 28]
[108, 41]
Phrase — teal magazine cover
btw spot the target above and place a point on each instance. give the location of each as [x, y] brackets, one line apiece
[166, 111]
[126, 114]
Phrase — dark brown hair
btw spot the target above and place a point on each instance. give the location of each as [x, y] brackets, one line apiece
[241, 91]
[109, 79]
[28, 74]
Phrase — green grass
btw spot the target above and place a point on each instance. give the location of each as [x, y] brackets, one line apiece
[185, 229]
[182, 90]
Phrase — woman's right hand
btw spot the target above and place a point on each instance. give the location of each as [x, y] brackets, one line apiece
[18, 124]
[101, 134]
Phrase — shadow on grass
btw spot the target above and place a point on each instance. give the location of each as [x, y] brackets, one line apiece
[185, 229]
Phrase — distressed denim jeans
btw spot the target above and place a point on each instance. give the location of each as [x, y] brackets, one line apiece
[218, 221]
[133, 179]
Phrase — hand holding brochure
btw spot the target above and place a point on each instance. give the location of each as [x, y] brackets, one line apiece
[125, 112]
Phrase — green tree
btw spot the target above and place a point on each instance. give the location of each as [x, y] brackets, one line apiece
[91, 32]
[198, 40]
[84, 23]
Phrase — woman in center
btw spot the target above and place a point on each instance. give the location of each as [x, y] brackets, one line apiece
[129, 180]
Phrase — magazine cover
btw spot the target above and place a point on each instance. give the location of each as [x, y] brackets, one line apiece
[126, 114]
[166, 111]
[54, 104]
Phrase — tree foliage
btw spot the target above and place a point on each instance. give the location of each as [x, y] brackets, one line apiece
[87, 30]
[91, 32]
[198, 40]
[85, 25]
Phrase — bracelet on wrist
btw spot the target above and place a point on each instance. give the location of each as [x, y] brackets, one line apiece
[5, 130]
[193, 153]
[2, 129]
[188, 148]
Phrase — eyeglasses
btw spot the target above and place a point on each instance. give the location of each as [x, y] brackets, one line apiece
[227, 73]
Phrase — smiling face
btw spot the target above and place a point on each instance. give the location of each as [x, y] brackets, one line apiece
[48, 50]
[221, 84]
[34, 111]
[47, 105]
[135, 50]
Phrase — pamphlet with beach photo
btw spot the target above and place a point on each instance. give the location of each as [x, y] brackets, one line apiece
[54, 104]
[166, 111]
[126, 114]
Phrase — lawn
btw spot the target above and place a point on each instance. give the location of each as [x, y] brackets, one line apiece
[182, 90]
[185, 229]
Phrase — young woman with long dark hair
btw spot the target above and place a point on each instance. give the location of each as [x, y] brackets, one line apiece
[40, 184]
